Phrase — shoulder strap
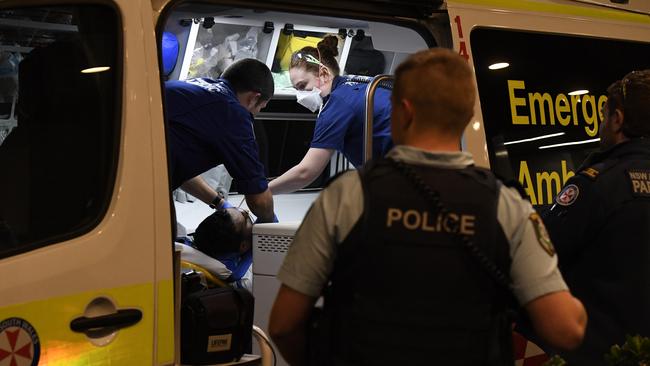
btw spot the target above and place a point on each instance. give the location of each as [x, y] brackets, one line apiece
[433, 198]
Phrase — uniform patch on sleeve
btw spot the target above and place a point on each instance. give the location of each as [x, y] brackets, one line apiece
[590, 172]
[542, 235]
[640, 182]
[568, 195]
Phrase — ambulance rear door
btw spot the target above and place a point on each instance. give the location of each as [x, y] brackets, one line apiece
[85, 233]
[542, 69]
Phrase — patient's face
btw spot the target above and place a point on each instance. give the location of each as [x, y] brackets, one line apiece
[243, 224]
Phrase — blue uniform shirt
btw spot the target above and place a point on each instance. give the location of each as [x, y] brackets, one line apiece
[207, 127]
[341, 121]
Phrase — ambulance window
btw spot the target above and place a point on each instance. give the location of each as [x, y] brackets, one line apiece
[542, 111]
[290, 42]
[59, 100]
[219, 44]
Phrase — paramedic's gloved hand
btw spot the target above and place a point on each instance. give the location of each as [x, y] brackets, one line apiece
[220, 203]
[275, 219]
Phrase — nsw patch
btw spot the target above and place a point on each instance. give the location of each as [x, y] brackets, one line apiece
[568, 195]
[542, 235]
[639, 182]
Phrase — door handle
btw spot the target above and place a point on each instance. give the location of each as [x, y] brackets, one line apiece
[121, 319]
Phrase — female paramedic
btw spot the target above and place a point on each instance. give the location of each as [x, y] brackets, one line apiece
[314, 72]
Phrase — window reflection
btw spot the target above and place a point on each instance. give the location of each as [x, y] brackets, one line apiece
[542, 112]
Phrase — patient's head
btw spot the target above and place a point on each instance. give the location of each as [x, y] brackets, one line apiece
[227, 230]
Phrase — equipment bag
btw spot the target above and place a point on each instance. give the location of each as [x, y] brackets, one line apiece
[216, 325]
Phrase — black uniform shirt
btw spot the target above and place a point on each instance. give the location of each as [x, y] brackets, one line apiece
[600, 226]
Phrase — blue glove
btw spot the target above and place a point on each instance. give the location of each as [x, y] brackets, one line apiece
[275, 219]
[226, 204]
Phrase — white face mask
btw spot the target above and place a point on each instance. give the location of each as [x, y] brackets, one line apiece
[310, 99]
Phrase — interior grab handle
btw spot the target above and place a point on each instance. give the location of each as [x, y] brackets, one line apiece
[370, 105]
[121, 319]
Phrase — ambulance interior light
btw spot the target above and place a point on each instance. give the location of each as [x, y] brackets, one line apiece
[498, 66]
[579, 92]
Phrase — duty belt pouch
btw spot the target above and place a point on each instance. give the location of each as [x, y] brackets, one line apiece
[216, 325]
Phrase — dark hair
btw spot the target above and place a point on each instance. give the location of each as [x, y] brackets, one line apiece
[325, 51]
[250, 74]
[440, 85]
[217, 234]
[632, 96]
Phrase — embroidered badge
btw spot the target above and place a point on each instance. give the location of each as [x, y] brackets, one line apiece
[639, 182]
[568, 195]
[19, 343]
[590, 172]
[542, 235]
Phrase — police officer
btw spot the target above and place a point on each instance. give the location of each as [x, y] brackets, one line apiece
[341, 104]
[210, 123]
[414, 275]
[600, 224]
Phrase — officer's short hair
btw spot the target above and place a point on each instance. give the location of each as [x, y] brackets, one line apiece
[250, 74]
[632, 96]
[440, 85]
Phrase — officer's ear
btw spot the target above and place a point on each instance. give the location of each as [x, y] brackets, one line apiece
[616, 120]
[407, 113]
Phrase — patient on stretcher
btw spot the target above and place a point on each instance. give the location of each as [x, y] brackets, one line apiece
[226, 236]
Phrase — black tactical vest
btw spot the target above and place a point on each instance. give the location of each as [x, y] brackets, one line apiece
[404, 291]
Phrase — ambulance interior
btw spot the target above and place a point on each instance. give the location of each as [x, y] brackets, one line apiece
[209, 39]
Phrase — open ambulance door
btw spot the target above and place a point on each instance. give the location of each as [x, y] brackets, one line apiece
[85, 255]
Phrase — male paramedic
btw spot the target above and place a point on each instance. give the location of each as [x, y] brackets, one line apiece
[417, 254]
[600, 224]
[211, 123]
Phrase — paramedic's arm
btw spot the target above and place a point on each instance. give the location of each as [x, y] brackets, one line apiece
[261, 204]
[559, 319]
[288, 324]
[198, 188]
[311, 166]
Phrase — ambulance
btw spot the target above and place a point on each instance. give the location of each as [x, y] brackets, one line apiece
[87, 221]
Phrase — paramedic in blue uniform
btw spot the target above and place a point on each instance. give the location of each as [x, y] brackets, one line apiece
[600, 224]
[399, 284]
[314, 72]
[211, 123]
